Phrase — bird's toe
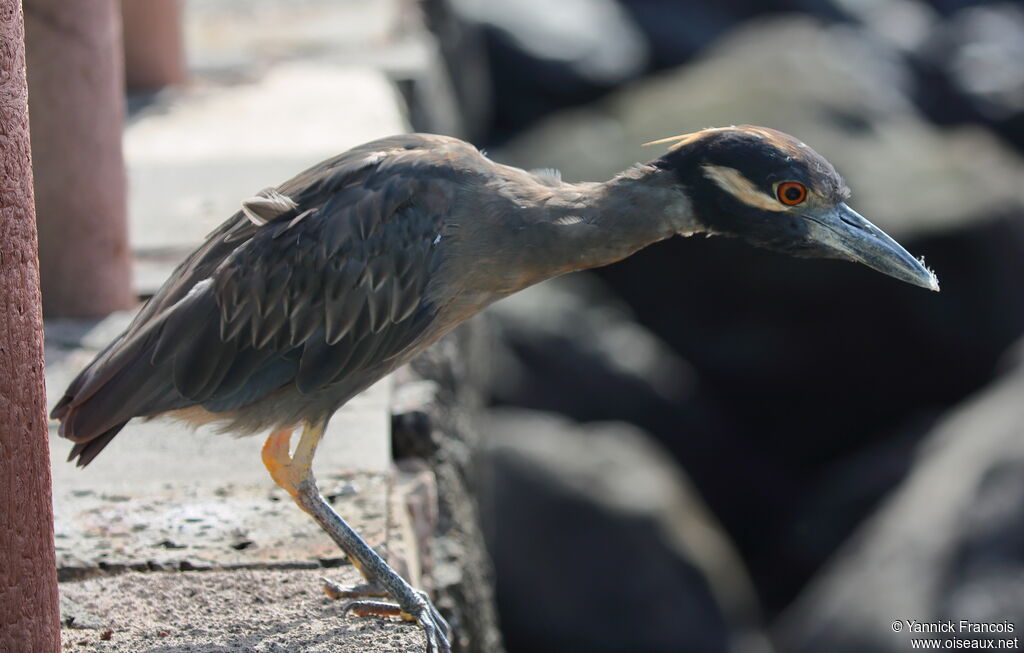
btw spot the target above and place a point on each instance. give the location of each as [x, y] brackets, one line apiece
[367, 608]
[435, 627]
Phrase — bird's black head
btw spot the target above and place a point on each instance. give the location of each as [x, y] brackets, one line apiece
[773, 191]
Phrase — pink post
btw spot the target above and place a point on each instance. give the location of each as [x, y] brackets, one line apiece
[154, 55]
[29, 614]
[76, 102]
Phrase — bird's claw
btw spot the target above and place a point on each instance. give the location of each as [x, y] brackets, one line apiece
[437, 640]
[435, 627]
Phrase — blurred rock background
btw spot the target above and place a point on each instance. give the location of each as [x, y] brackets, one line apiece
[711, 448]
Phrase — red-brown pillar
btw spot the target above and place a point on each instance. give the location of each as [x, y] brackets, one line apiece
[29, 616]
[76, 101]
[154, 54]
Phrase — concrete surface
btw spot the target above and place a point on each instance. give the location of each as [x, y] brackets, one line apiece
[276, 87]
[194, 155]
[217, 612]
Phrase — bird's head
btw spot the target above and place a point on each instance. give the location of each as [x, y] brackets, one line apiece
[773, 191]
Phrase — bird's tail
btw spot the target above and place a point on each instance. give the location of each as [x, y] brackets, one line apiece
[86, 451]
[118, 384]
[139, 374]
[89, 440]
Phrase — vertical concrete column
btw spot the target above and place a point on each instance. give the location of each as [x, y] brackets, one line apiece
[29, 616]
[76, 102]
[154, 54]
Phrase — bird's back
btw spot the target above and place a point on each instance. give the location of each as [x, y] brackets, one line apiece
[310, 294]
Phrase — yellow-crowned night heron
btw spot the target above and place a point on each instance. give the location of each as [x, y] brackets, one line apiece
[319, 287]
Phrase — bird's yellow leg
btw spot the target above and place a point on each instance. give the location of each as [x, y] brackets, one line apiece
[294, 473]
[278, 461]
[290, 470]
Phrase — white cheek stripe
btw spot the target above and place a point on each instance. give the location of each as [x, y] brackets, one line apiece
[733, 182]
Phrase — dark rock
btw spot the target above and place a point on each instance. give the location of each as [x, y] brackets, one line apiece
[969, 69]
[436, 398]
[840, 93]
[677, 31]
[463, 51]
[826, 373]
[546, 55]
[571, 346]
[947, 545]
[601, 545]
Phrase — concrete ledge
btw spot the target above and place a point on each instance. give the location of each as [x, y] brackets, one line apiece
[219, 611]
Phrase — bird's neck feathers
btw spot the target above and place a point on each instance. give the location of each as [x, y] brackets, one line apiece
[598, 224]
[524, 232]
[649, 202]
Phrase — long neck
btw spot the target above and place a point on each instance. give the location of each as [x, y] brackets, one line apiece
[594, 224]
[563, 227]
[518, 231]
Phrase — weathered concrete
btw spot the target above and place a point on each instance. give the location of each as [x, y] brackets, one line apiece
[389, 36]
[246, 611]
[196, 154]
[162, 499]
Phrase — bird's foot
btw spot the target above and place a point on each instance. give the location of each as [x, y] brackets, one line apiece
[419, 609]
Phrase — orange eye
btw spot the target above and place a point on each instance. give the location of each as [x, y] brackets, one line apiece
[791, 193]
